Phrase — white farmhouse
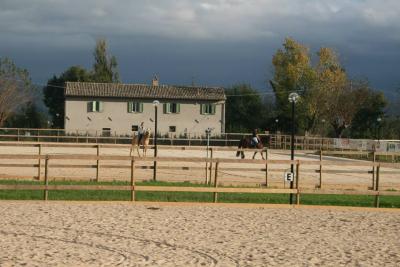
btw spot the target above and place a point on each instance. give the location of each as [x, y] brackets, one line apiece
[115, 108]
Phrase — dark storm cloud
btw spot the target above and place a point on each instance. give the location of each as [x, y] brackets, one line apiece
[216, 42]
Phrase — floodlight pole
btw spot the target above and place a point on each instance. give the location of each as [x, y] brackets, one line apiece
[292, 152]
[208, 130]
[293, 97]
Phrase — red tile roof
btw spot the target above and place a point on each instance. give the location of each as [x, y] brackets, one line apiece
[119, 90]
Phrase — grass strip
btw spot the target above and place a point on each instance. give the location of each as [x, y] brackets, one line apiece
[111, 195]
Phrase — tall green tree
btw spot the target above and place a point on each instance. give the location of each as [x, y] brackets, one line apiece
[244, 109]
[365, 123]
[332, 91]
[327, 96]
[54, 92]
[16, 88]
[105, 65]
[293, 72]
[104, 70]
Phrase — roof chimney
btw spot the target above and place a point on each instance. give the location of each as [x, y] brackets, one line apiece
[154, 82]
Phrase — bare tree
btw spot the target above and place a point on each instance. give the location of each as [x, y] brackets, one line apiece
[15, 88]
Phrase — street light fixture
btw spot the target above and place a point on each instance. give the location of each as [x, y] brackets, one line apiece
[155, 104]
[293, 98]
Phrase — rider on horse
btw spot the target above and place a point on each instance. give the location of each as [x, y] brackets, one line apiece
[255, 139]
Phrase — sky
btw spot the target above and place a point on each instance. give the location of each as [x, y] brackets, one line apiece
[207, 42]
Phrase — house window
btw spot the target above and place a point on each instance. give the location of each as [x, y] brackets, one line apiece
[106, 132]
[95, 106]
[207, 109]
[172, 129]
[135, 128]
[172, 108]
[135, 107]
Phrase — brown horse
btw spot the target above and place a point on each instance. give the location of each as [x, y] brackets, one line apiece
[144, 142]
[245, 142]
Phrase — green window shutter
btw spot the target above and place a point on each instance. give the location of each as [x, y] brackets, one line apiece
[130, 107]
[178, 108]
[100, 106]
[167, 108]
[141, 107]
[202, 107]
[213, 108]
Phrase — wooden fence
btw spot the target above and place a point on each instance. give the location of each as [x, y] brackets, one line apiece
[215, 164]
[209, 162]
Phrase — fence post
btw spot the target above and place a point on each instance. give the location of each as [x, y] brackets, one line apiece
[98, 162]
[266, 168]
[40, 161]
[373, 170]
[377, 186]
[46, 178]
[211, 164]
[320, 169]
[216, 182]
[297, 182]
[133, 179]
[18, 134]
[77, 133]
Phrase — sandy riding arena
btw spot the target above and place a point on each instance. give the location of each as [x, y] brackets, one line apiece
[124, 234]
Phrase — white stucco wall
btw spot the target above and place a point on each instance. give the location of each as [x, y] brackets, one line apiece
[116, 117]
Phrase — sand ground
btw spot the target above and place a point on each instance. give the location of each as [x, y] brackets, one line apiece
[338, 176]
[125, 234]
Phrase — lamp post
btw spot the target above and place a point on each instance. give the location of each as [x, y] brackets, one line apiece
[276, 129]
[208, 132]
[155, 104]
[293, 98]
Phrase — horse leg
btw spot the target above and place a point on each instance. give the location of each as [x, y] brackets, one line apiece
[132, 147]
[238, 153]
[254, 156]
[242, 154]
[137, 149]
